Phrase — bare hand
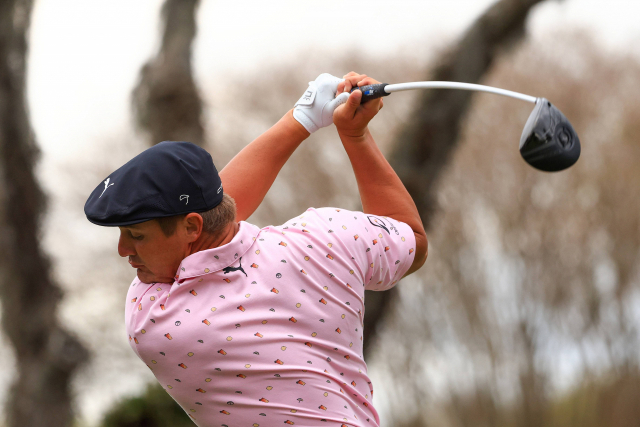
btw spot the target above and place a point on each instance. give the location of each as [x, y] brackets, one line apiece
[352, 118]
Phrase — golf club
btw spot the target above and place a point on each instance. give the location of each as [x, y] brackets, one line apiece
[548, 142]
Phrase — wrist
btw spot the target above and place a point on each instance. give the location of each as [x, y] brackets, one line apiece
[295, 126]
[353, 136]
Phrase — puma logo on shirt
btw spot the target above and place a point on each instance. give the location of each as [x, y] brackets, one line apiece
[231, 269]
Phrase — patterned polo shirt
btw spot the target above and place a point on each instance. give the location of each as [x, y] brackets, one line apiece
[267, 329]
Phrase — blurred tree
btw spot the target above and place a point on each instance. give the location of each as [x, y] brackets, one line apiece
[154, 408]
[428, 140]
[531, 289]
[166, 101]
[46, 354]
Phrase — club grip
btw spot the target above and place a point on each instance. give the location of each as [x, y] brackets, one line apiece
[372, 91]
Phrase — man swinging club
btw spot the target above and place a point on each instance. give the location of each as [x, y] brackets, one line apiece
[277, 339]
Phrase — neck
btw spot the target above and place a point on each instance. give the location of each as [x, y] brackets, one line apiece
[208, 241]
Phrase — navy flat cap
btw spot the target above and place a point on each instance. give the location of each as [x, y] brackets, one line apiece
[170, 178]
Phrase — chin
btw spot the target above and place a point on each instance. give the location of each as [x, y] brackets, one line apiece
[151, 278]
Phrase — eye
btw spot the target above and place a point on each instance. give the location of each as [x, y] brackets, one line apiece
[133, 236]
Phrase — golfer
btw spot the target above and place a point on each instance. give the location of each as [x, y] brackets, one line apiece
[245, 326]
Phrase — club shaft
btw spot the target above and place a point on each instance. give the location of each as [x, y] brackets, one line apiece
[455, 85]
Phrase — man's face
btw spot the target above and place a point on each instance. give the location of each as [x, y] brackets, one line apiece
[155, 256]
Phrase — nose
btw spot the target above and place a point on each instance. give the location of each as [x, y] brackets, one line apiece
[125, 247]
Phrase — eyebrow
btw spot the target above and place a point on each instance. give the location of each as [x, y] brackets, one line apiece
[132, 227]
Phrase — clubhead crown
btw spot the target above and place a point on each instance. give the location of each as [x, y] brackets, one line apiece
[548, 140]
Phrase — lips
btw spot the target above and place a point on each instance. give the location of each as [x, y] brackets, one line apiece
[134, 265]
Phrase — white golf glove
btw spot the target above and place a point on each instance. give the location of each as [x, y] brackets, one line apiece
[314, 110]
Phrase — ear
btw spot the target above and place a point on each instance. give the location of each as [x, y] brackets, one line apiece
[192, 224]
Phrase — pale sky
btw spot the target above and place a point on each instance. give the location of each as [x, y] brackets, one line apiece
[85, 55]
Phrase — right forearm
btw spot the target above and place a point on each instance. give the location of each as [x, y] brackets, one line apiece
[381, 191]
[249, 175]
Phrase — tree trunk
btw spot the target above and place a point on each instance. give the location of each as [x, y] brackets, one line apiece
[427, 143]
[166, 101]
[46, 354]
[425, 146]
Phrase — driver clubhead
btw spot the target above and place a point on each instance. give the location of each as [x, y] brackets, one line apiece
[548, 140]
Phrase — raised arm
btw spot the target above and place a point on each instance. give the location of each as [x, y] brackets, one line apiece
[381, 191]
[250, 174]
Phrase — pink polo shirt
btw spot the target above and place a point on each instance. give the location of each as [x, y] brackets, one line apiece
[267, 329]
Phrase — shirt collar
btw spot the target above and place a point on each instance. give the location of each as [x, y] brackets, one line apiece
[212, 260]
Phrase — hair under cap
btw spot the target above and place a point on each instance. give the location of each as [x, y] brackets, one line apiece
[170, 178]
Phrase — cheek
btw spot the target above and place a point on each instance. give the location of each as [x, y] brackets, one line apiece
[146, 254]
[160, 257]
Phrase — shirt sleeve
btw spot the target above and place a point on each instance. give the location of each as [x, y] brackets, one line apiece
[382, 249]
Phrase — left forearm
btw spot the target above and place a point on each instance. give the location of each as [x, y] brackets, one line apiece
[250, 174]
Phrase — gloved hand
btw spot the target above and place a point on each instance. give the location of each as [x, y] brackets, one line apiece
[315, 108]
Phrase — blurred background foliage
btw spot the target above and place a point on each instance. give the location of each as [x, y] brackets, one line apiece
[527, 311]
[153, 408]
